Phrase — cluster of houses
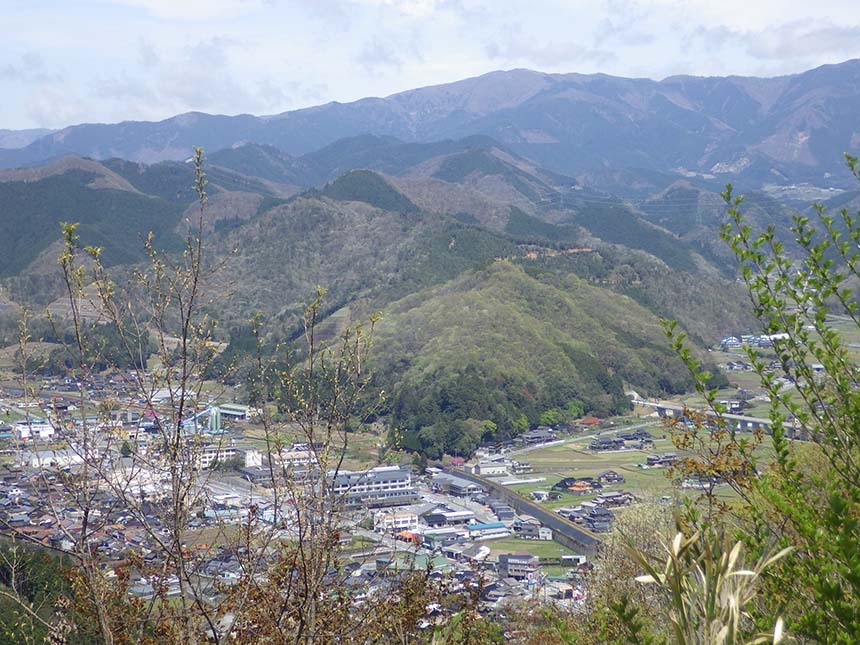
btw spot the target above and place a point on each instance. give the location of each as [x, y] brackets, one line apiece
[589, 485]
[638, 440]
[739, 366]
[592, 516]
[595, 514]
[447, 516]
[454, 521]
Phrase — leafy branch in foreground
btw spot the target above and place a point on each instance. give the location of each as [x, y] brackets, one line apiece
[808, 498]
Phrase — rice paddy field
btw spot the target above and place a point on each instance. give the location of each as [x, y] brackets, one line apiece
[574, 459]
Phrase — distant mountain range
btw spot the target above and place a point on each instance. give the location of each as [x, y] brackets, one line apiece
[618, 134]
[521, 233]
[375, 220]
[12, 139]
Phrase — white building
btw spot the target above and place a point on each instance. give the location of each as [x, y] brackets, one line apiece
[32, 429]
[253, 459]
[381, 486]
[208, 455]
[394, 521]
[284, 458]
[138, 480]
[491, 468]
[295, 458]
[235, 411]
[52, 458]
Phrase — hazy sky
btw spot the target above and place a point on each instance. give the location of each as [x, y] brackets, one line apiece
[71, 61]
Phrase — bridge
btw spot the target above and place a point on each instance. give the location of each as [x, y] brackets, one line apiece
[739, 422]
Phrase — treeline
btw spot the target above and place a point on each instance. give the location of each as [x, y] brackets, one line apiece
[454, 413]
[104, 348]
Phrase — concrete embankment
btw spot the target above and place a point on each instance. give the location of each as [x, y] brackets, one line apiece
[564, 531]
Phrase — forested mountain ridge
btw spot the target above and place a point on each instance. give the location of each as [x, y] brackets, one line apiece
[786, 130]
[494, 275]
[474, 190]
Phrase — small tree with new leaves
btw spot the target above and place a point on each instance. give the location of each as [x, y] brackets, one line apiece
[808, 498]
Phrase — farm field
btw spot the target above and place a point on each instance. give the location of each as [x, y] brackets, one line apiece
[37, 350]
[539, 548]
[574, 459]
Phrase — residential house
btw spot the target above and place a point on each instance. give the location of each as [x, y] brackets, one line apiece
[659, 461]
[542, 434]
[487, 530]
[610, 477]
[521, 468]
[501, 510]
[454, 485]
[607, 443]
[445, 517]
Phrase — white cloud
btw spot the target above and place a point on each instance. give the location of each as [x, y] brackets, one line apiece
[119, 59]
[415, 8]
[192, 9]
[804, 39]
[512, 46]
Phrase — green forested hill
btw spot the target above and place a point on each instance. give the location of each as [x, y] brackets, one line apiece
[265, 162]
[696, 215]
[708, 306]
[116, 220]
[369, 187]
[480, 335]
[174, 180]
[618, 225]
[500, 345]
[359, 252]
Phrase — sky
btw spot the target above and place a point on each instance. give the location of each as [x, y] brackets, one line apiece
[73, 61]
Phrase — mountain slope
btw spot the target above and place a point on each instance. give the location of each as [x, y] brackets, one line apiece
[264, 162]
[361, 253]
[116, 220]
[696, 216]
[551, 345]
[487, 323]
[20, 138]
